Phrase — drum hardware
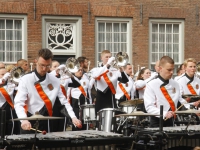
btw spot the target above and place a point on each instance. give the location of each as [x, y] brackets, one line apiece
[134, 102]
[193, 97]
[189, 111]
[136, 113]
[37, 116]
[43, 132]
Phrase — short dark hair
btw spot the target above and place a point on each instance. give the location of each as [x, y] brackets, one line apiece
[45, 53]
[166, 59]
[81, 59]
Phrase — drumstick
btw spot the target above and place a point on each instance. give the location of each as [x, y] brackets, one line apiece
[177, 109]
[43, 132]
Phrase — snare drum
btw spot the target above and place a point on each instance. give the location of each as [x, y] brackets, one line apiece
[87, 113]
[107, 119]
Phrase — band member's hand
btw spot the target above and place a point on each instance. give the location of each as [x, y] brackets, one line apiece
[61, 67]
[77, 122]
[26, 125]
[110, 60]
[188, 99]
[6, 76]
[169, 114]
[196, 104]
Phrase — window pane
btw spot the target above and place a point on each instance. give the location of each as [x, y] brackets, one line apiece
[2, 35]
[2, 58]
[116, 27]
[154, 47]
[161, 28]
[162, 38]
[101, 46]
[101, 27]
[9, 35]
[154, 37]
[18, 35]
[154, 57]
[10, 46]
[161, 47]
[109, 46]
[18, 24]
[108, 27]
[116, 37]
[154, 27]
[101, 37]
[176, 28]
[2, 45]
[168, 48]
[124, 47]
[168, 38]
[123, 37]
[176, 48]
[124, 27]
[9, 24]
[175, 38]
[116, 47]
[2, 24]
[10, 56]
[176, 57]
[18, 56]
[108, 37]
[18, 46]
[169, 28]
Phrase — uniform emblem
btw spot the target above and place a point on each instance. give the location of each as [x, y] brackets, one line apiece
[126, 84]
[84, 83]
[174, 90]
[111, 74]
[50, 87]
[197, 86]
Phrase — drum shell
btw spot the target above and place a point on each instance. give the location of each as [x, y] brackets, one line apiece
[87, 113]
[107, 119]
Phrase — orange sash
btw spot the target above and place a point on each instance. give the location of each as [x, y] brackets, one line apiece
[191, 89]
[7, 96]
[99, 77]
[82, 90]
[124, 91]
[63, 90]
[45, 98]
[109, 83]
[169, 99]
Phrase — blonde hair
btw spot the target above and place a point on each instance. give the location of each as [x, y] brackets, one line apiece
[9, 67]
[197, 148]
[189, 60]
[105, 52]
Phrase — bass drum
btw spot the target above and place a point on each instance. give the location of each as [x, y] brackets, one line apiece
[107, 119]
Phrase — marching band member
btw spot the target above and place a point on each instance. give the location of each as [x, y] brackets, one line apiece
[83, 61]
[6, 102]
[78, 91]
[163, 91]
[23, 64]
[38, 90]
[189, 83]
[125, 91]
[2, 65]
[106, 78]
[180, 72]
[55, 65]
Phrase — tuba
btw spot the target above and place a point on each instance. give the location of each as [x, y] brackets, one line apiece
[16, 73]
[121, 59]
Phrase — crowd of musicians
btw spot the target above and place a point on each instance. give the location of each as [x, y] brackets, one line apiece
[52, 91]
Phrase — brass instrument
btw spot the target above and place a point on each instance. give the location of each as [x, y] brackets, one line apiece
[121, 59]
[16, 73]
[198, 70]
[72, 65]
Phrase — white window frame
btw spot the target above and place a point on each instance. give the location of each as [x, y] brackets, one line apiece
[24, 32]
[181, 38]
[77, 33]
[111, 20]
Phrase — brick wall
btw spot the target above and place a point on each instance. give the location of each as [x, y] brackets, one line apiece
[181, 9]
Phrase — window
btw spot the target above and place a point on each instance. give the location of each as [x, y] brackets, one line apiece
[113, 34]
[12, 38]
[62, 35]
[166, 38]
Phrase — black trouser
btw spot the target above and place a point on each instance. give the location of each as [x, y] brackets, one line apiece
[11, 126]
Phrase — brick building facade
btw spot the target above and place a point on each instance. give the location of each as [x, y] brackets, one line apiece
[146, 29]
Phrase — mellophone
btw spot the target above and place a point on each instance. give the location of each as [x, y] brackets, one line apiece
[174, 136]
[86, 139]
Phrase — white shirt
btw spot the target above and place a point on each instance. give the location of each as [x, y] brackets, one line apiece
[153, 96]
[27, 94]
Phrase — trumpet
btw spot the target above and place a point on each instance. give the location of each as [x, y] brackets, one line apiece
[16, 73]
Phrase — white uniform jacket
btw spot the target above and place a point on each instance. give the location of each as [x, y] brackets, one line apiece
[153, 96]
[27, 94]
[9, 88]
[129, 87]
[75, 92]
[184, 80]
[112, 73]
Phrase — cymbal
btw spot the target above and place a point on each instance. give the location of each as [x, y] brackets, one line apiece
[189, 111]
[136, 113]
[132, 102]
[37, 117]
[190, 96]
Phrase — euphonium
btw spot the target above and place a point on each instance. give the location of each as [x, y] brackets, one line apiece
[121, 59]
[16, 73]
[72, 65]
